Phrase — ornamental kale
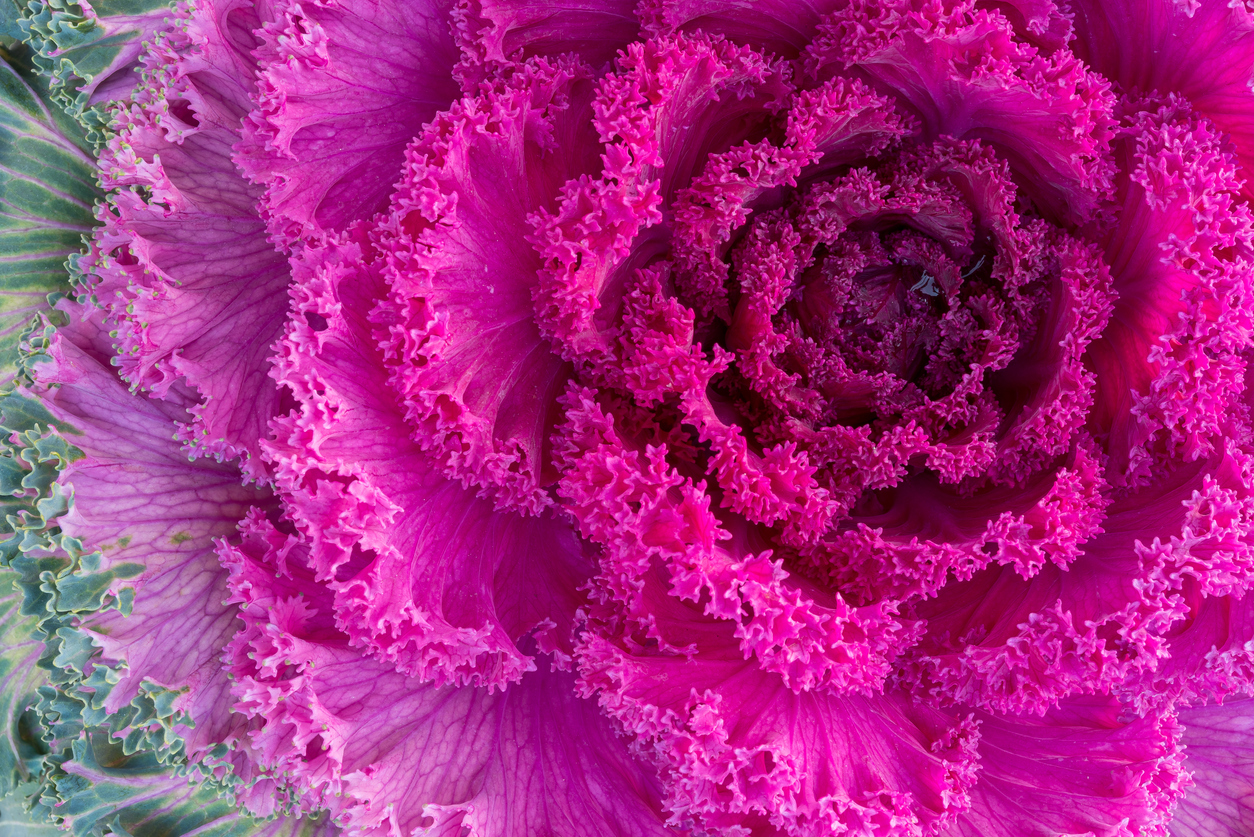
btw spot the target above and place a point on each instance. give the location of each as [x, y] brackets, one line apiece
[501, 418]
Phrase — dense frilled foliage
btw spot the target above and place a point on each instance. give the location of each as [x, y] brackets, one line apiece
[504, 417]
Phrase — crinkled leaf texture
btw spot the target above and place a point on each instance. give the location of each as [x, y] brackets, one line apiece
[22, 751]
[390, 754]
[104, 787]
[125, 715]
[90, 54]
[18, 822]
[500, 417]
[193, 289]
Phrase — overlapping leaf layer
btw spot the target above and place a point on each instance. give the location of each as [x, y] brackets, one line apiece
[500, 417]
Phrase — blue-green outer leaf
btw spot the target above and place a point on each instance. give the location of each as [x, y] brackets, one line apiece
[16, 821]
[22, 751]
[104, 790]
[91, 54]
[48, 192]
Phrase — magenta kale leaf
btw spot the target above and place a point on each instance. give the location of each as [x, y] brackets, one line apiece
[501, 417]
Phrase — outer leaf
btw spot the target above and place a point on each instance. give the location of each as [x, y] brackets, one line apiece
[94, 784]
[9, 15]
[119, 554]
[47, 190]
[16, 822]
[24, 497]
[91, 53]
[105, 790]
[21, 750]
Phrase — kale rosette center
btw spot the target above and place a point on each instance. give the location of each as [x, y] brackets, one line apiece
[910, 293]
